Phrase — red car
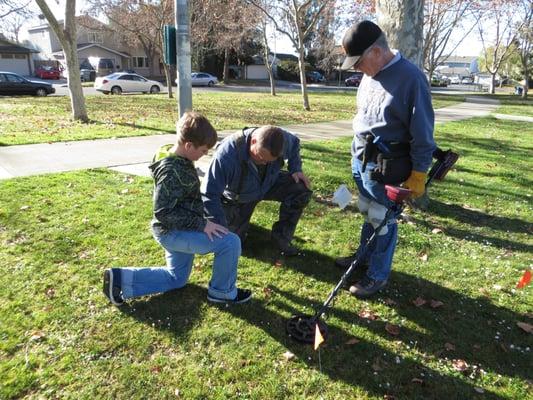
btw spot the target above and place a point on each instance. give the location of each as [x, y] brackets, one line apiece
[353, 80]
[47, 72]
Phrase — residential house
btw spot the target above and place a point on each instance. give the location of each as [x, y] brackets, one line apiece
[15, 58]
[459, 66]
[99, 47]
[257, 68]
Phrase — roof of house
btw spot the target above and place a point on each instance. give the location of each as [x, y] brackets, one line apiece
[83, 46]
[10, 47]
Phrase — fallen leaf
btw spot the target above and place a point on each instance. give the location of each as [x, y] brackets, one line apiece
[352, 341]
[435, 303]
[460, 365]
[267, 292]
[367, 314]
[50, 292]
[37, 335]
[177, 393]
[389, 302]
[497, 287]
[23, 208]
[389, 397]
[278, 263]
[392, 329]
[449, 346]
[436, 230]
[419, 301]
[417, 380]
[156, 369]
[525, 327]
[504, 347]
[288, 356]
[477, 347]
[124, 191]
[423, 256]
[479, 390]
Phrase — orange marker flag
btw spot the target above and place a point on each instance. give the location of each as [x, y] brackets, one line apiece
[318, 337]
[524, 281]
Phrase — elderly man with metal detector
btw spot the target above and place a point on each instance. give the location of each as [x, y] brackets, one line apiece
[393, 143]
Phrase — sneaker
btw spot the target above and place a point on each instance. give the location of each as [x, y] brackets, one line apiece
[344, 262]
[366, 287]
[112, 287]
[243, 295]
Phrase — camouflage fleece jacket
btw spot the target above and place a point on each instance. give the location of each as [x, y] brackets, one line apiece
[177, 201]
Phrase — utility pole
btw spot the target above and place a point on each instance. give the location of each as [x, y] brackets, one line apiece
[183, 52]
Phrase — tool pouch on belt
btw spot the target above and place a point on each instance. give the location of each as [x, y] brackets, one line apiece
[393, 162]
[391, 170]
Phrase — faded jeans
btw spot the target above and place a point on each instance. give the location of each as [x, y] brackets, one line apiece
[180, 248]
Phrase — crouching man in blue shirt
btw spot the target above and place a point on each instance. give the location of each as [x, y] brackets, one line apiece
[247, 168]
[393, 142]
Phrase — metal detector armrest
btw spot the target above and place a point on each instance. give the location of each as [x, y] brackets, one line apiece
[397, 194]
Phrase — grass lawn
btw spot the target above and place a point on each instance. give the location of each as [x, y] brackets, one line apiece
[40, 120]
[515, 105]
[61, 339]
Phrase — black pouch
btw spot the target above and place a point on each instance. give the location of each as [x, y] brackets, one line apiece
[391, 170]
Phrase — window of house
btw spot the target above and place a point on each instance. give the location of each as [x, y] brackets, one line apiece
[20, 56]
[140, 62]
[95, 37]
[7, 55]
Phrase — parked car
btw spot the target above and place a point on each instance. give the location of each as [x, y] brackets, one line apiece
[314, 77]
[354, 80]
[122, 82]
[47, 72]
[455, 80]
[87, 75]
[439, 81]
[12, 84]
[467, 81]
[203, 79]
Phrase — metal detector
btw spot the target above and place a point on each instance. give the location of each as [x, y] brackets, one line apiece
[302, 327]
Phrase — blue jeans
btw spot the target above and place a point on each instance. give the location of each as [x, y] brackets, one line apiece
[180, 248]
[379, 255]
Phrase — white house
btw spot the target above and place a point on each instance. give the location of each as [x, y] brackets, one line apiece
[15, 58]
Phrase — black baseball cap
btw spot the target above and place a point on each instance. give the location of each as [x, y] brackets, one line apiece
[357, 39]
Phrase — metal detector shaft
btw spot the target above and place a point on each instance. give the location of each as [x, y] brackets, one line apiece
[355, 263]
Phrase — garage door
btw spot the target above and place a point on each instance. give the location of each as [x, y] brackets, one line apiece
[256, 72]
[17, 63]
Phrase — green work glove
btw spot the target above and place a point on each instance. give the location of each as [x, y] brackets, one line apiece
[416, 183]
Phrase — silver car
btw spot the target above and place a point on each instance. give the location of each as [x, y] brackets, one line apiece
[203, 79]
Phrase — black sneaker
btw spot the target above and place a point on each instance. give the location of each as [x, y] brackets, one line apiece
[344, 262]
[243, 295]
[367, 287]
[112, 286]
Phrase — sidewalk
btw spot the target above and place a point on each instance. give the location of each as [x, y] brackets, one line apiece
[132, 155]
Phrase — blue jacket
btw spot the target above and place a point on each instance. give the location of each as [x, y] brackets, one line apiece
[224, 174]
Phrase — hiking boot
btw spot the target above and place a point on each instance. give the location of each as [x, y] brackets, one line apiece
[285, 248]
[243, 295]
[367, 287]
[344, 262]
[112, 287]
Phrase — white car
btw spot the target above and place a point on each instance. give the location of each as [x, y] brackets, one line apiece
[203, 79]
[454, 80]
[122, 82]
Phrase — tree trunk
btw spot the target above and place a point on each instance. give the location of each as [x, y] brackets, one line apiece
[492, 88]
[225, 74]
[402, 21]
[168, 77]
[267, 61]
[67, 39]
[526, 83]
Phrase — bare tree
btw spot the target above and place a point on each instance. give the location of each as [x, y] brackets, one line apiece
[269, 61]
[296, 19]
[9, 7]
[525, 41]
[441, 19]
[499, 15]
[66, 35]
[223, 26]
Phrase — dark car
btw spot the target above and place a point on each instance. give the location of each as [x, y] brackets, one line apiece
[314, 77]
[353, 80]
[12, 84]
[47, 72]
